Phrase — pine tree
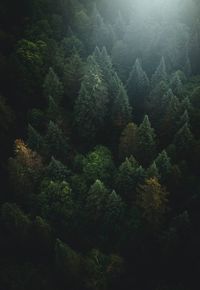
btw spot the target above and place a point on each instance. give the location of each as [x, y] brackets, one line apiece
[184, 119]
[130, 174]
[152, 199]
[176, 85]
[127, 145]
[56, 170]
[56, 142]
[153, 172]
[160, 73]
[53, 110]
[184, 140]
[146, 144]
[121, 111]
[96, 201]
[137, 86]
[52, 86]
[73, 73]
[164, 165]
[35, 140]
[91, 105]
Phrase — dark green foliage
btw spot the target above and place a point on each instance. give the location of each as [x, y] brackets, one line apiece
[160, 73]
[90, 107]
[52, 86]
[130, 174]
[83, 208]
[146, 145]
[56, 142]
[98, 165]
[137, 86]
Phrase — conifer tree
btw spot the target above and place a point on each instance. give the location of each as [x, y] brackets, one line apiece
[176, 85]
[160, 73]
[146, 144]
[130, 174]
[152, 199]
[137, 86]
[153, 172]
[184, 119]
[35, 140]
[121, 111]
[56, 142]
[56, 170]
[91, 105]
[127, 145]
[52, 86]
[53, 110]
[163, 164]
[184, 140]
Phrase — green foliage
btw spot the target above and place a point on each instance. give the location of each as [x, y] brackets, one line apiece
[146, 144]
[56, 142]
[98, 164]
[160, 73]
[128, 139]
[57, 171]
[163, 164]
[90, 107]
[130, 174]
[52, 86]
[56, 203]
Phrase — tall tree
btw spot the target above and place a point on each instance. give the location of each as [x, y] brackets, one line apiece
[127, 145]
[152, 199]
[137, 87]
[160, 73]
[52, 86]
[91, 105]
[146, 144]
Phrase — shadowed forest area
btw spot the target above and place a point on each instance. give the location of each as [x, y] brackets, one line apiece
[100, 145]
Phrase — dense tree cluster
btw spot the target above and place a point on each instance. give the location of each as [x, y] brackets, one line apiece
[100, 145]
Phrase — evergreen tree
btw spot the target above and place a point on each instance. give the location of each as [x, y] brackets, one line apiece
[184, 119]
[127, 145]
[57, 171]
[152, 199]
[56, 142]
[91, 105]
[153, 172]
[137, 87]
[146, 144]
[35, 140]
[53, 110]
[73, 73]
[52, 86]
[121, 111]
[160, 73]
[163, 164]
[183, 140]
[176, 85]
[130, 174]
[96, 201]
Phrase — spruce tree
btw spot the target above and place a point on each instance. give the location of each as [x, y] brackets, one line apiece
[176, 85]
[52, 86]
[121, 111]
[56, 170]
[91, 104]
[160, 74]
[56, 142]
[137, 87]
[164, 165]
[184, 140]
[153, 172]
[146, 144]
[127, 145]
[35, 140]
[130, 174]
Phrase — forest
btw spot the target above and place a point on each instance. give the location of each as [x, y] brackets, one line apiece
[100, 144]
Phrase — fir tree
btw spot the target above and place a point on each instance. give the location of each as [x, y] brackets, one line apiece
[121, 111]
[35, 140]
[146, 144]
[176, 85]
[137, 86]
[91, 105]
[127, 145]
[183, 140]
[57, 171]
[152, 199]
[163, 164]
[52, 86]
[160, 73]
[56, 142]
[153, 172]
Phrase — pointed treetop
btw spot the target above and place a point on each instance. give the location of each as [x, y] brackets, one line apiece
[160, 73]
